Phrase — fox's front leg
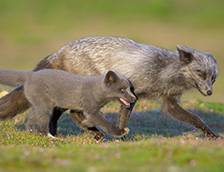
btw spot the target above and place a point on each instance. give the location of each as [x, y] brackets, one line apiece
[78, 117]
[124, 115]
[87, 124]
[173, 109]
[57, 112]
[100, 121]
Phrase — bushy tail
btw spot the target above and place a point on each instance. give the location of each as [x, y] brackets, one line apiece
[15, 102]
[13, 78]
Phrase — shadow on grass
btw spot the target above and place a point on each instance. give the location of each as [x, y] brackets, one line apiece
[150, 123]
[66, 126]
[147, 124]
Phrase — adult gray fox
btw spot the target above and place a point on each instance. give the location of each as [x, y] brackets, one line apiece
[48, 88]
[154, 72]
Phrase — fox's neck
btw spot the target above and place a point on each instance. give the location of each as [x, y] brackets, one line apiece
[172, 75]
[99, 96]
[164, 75]
[102, 98]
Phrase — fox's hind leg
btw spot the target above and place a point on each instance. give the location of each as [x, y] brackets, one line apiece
[78, 117]
[30, 121]
[42, 108]
[43, 117]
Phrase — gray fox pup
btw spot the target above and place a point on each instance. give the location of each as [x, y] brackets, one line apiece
[47, 88]
[154, 73]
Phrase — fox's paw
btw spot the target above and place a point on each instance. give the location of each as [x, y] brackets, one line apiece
[124, 131]
[99, 136]
[211, 136]
[50, 136]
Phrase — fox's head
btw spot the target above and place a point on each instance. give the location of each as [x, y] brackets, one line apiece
[200, 69]
[118, 87]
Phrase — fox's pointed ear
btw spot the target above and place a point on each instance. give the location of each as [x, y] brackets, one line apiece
[185, 54]
[210, 56]
[110, 78]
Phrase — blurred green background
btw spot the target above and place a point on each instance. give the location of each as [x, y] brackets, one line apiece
[33, 29]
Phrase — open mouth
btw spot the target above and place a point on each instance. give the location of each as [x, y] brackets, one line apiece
[127, 104]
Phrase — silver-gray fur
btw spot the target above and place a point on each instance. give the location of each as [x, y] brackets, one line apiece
[153, 71]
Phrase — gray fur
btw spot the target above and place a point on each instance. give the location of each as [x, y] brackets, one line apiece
[154, 72]
[47, 88]
[13, 78]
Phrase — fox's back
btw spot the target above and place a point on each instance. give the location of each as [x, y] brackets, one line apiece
[152, 71]
[57, 85]
[96, 55]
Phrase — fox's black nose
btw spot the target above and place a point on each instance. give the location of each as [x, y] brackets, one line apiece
[133, 99]
[209, 92]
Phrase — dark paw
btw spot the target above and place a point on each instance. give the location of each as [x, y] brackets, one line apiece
[98, 135]
[211, 136]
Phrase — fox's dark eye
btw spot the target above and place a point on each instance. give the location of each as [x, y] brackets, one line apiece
[213, 78]
[201, 74]
[122, 90]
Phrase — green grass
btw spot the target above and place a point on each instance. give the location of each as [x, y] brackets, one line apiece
[31, 30]
[157, 154]
[156, 143]
[201, 13]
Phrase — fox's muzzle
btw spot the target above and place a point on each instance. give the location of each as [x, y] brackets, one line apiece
[128, 99]
[132, 98]
[205, 89]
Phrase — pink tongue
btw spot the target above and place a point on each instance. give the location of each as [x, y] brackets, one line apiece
[125, 102]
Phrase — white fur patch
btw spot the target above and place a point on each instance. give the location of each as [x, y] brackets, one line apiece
[49, 135]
